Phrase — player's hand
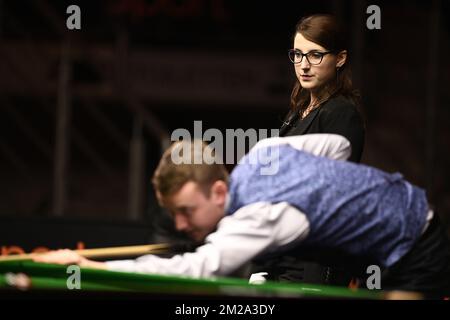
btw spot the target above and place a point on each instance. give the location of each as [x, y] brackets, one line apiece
[64, 256]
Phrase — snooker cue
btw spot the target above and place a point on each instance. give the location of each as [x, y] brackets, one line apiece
[99, 252]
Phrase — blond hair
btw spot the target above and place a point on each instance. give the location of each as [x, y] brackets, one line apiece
[199, 164]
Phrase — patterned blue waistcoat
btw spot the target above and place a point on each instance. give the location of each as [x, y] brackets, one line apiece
[351, 207]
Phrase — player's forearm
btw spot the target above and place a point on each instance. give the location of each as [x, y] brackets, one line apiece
[332, 146]
[85, 263]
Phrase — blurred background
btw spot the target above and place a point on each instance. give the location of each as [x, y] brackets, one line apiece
[85, 114]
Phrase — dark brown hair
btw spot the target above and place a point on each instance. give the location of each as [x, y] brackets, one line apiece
[325, 30]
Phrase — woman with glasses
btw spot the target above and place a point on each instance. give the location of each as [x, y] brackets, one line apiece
[323, 100]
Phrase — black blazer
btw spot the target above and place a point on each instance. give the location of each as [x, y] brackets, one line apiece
[338, 115]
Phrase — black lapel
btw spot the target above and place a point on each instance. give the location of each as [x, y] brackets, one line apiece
[304, 125]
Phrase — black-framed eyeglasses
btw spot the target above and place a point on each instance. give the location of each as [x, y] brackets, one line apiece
[313, 57]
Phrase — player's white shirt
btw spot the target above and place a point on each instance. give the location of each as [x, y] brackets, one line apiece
[244, 235]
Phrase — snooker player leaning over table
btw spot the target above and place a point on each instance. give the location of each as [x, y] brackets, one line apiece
[312, 198]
